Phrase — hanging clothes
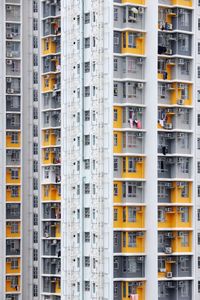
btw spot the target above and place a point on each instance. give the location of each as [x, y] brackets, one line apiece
[134, 296]
[139, 124]
[131, 123]
[164, 150]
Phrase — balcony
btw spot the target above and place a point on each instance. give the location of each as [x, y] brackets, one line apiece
[13, 283]
[128, 142]
[174, 44]
[12, 265]
[174, 242]
[13, 175]
[13, 13]
[128, 92]
[129, 167]
[51, 64]
[51, 248]
[128, 117]
[51, 138]
[175, 69]
[50, 83]
[174, 19]
[12, 50]
[14, 2]
[129, 288]
[174, 118]
[174, 192]
[51, 119]
[129, 267]
[13, 103]
[128, 192]
[13, 229]
[13, 193]
[141, 2]
[175, 290]
[129, 242]
[51, 285]
[174, 266]
[174, 167]
[12, 247]
[129, 217]
[51, 266]
[174, 217]
[51, 192]
[174, 143]
[129, 42]
[51, 229]
[186, 3]
[175, 94]
[13, 31]
[51, 26]
[51, 156]
[129, 17]
[13, 67]
[51, 9]
[51, 45]
[51, 211]
[51, 175]
[129, 67]
[13, 85]
[13, 158]
[13, 139]
[12, 211]
[52, 100]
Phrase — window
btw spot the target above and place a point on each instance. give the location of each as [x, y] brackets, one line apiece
[198, 72]
[115, 89]
[198, 46]
[35, 237]
[87, 188]
[131, 40]
[35, 272]
[115, 64]
[35, 201]
[87, 91]
[87, 164]
[35, 6]
[198, 119]
[35, 24]
[87, 140]
[87, 212]
[115, 141]
[198, 143]
[198, 262]
[93, 41]
[115, 214]
[87, 115]
[185, 215]
[115, 14]
[131, 239]
[87, 286]
[35, 219]
[116, 39]
[161, 215]
[87, 67]
[87, 261]
[35, 254]
[35, 290]
[198, 167]
[115, 115]
[131, 214]
[131, 165]
[35, 60]
[14, 227]
[185, 239]
[115, 189]
[115, 164]
[14, 191]
[87, 43]
[35, 42]
[198, 214]
[14, 173]
[198, 24]
[14, 264]
[87, 18]
[87, 237]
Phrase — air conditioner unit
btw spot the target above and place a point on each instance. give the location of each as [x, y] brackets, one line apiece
[140, 10]
[8, 7]
[171, 37]
[169, 274]
[140, 233]
[55, 87]
[9, 80]
[180, 135]
[138, 159]
[180, 184]
[180, 111]
[140, 283]
[181, 209]
[181, 61]
[180, 233]
[140, 259]
[8, 25]
[181, 283]
[168, 250]
[54, 242]
[169, 235]
[132, 18]
[169, 161]
[168, 11]
[139, 134]
[9, 54]
[168, 51]
[139, 60]
[180, 101]
[181, 11]
[168, 185]
[9, 62]
[140, 85]
[10, 91]
[181, 86]
[169, 86]
[9, 36]
[179, 160]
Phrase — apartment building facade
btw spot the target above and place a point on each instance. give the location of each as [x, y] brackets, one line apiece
[100, 147]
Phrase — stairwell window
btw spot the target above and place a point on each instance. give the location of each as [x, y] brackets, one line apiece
[14, 173]
[115, 214]
[131, 165]
[198, 214]
[131, 214]
[115, 65]
[198, 167]
[87, 286]
[115, 90]
[116, 15]
[87, 188]
[87, 237]
[87, 91]
[116, 164]
[198, 71]
[115, 115]
[87, 43]
[87, 67]
[87, 18]
[198, 23]
[87, 261]
[87, 140]
[185, 240]
[115, 140]
[198, 190]
[115, 189]
[131, 239]
[185, 215]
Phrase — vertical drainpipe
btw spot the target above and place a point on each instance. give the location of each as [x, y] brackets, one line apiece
[81, 149]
